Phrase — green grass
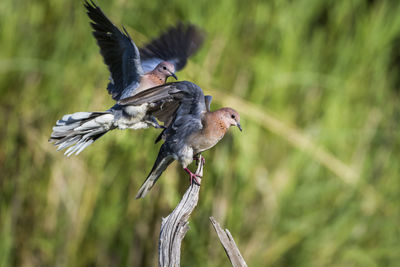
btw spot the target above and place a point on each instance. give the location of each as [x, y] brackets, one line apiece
[313, 180]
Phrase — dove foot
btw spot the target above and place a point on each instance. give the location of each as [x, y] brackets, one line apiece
[193, 177]
[152, 120]
[197, 157]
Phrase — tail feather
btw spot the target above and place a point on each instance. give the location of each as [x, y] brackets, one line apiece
[164, 159]
[77, 131]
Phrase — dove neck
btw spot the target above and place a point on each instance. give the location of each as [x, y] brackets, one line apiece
[150, 80]
[157, 76]
[214, 124]
[214, 128]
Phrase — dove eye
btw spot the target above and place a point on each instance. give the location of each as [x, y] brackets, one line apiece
[233, 116]
[164, 68]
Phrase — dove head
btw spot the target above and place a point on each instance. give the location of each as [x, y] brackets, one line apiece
[231, 117]
[166, 69]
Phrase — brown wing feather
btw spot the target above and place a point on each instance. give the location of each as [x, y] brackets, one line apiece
[152, 95]
[164, 101]
[166, 113]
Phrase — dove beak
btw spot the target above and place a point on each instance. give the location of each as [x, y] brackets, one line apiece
[173, 75]
[238, 125]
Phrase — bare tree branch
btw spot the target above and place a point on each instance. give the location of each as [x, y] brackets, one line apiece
[229, 245]
[175, 225]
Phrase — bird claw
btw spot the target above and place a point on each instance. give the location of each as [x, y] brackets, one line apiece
[152, 120]
[193, 177]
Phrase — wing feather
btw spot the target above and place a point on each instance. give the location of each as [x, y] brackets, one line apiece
[118, 50]
[169, 101]
[175, 45]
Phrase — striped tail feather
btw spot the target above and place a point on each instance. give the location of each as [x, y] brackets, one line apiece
[77, 131]
[163, 160]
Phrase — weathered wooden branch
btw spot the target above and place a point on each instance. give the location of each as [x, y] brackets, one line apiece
[175, 225]
[229, 245]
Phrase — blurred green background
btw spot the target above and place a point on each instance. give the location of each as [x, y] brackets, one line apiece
[313, 180]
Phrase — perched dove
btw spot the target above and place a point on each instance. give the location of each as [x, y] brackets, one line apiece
[193, 129]
[132, 71]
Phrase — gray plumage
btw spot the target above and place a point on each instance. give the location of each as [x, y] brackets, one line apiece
[140, 111]
[129, 76]
[187, 120]
[80, 129]
[126, 63]
[181, 40]
[208, 100]
[193, 128]
[119, 52]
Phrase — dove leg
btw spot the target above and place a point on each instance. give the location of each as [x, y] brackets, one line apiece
[193, 177]
[197, 157]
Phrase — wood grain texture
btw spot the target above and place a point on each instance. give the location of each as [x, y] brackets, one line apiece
[175, 225]
[232, 251]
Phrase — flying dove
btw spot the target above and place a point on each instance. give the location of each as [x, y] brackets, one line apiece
[193, 129]
[132, 71]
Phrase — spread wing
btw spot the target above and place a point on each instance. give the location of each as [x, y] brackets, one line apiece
[170, 101]
[175, 45]
[119, 52]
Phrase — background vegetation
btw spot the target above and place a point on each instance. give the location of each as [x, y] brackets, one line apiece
[313, 180]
